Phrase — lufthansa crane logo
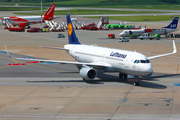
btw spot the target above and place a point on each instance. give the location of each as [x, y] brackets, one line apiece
[70, 29]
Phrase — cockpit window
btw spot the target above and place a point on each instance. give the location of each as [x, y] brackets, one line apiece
[141, 61]
[147, 61]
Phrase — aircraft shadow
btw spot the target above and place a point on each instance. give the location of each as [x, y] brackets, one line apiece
[105, 78]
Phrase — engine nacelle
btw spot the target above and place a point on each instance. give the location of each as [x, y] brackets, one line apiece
[22, 25]
[87, 73]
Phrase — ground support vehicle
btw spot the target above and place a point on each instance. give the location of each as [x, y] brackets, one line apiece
[111, 36]
[157, 37]
[121, 39]
[146, 36]
[16, 29]
[149, 36]
[60, 36]
[133, 36]
[35, 29]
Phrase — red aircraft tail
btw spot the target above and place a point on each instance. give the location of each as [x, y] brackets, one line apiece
[50, 13]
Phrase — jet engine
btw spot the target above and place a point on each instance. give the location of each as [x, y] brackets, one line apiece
[22, 25]
[87, 73]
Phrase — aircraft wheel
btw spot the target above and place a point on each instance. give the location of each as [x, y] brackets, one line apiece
[136, 83]
[121, 75]
[125, 76]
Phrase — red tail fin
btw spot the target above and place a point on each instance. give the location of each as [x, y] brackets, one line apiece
[50, 11]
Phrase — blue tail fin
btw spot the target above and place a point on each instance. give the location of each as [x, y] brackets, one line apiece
[173, 24]
[71, 32]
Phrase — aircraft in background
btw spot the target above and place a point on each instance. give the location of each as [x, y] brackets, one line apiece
[93, 58]
[162, 31]
[23, 21]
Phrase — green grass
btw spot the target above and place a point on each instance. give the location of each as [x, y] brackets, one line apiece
[89, 12]
[139, 18]
[139, 4]
[18, 9]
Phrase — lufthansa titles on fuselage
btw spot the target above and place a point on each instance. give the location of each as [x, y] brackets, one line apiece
[119, 55]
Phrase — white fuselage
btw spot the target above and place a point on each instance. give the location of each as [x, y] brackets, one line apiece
[117, 60]
[24, 19]
[161, 31]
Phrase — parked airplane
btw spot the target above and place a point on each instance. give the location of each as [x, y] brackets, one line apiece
[162, 31]
[23, 21]
[93, 58]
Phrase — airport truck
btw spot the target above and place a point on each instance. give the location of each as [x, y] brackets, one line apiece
[148, 36]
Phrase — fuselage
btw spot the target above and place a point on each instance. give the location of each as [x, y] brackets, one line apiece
[161, 31]
[26, 19]
[122, 61]
[23, 21]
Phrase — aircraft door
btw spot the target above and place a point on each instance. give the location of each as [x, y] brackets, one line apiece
[102, 57]
[127, 61]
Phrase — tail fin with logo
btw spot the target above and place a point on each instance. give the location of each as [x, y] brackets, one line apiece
[173, 24]
[50, 12]
[71, 32]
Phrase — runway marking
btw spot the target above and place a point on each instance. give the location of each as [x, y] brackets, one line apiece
[28, 64]
[9, 59]
[78, 117]
[176, 84]
[2, 52]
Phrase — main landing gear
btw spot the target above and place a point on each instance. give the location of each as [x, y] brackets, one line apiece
[124, 76]
[121, 75]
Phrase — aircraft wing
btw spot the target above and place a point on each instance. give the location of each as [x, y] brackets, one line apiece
[162, 55]
[97, 64]
[54, 48]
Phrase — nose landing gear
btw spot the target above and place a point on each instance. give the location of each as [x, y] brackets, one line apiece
[124, 76]
[136, 83]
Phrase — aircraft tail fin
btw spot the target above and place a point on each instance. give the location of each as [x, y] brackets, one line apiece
[50, 11]
[173, 24]
[71, 32]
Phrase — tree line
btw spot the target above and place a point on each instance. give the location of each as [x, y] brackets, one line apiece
[169, 1]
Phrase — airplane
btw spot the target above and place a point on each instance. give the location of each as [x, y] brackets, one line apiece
[91, 59]
[23, 21]
[162, 31]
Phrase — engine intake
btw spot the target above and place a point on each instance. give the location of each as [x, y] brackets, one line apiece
[87, 73]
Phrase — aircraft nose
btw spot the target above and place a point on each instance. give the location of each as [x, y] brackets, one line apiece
[120, 34]
[148, 69]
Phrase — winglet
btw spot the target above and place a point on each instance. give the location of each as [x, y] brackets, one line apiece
[7, 52]
[162, 55]
[174, 47]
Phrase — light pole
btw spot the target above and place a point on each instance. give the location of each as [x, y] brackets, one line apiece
[41, 17]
